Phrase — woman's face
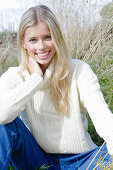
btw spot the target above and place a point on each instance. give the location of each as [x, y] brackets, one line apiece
[39, 45]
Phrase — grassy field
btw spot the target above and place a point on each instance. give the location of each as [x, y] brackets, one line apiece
[91, 44]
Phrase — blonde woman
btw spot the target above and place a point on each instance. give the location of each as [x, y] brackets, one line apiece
[51, 93]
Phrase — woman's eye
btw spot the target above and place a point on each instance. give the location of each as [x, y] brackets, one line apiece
[32, 40]
[48, 37]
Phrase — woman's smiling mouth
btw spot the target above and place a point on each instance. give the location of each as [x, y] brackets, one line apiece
[43, 55]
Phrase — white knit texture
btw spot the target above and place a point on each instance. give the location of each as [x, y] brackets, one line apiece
[54, 132]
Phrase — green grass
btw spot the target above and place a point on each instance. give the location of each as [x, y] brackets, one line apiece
[10, 167]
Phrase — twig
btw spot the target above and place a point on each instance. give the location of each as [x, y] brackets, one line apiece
[95, 156]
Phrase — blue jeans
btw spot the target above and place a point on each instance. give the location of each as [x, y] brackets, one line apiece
[18, 146]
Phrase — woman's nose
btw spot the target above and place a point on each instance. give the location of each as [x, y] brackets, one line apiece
[40, 45]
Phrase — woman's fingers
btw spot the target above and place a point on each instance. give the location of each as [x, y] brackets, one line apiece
[34, 67]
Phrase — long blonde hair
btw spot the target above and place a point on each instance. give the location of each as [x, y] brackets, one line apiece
[59, 80]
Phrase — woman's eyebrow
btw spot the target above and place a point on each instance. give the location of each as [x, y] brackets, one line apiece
[31, 37]
[34, 37]
[48, 34]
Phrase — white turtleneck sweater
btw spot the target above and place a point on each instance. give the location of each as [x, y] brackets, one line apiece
[54, 132]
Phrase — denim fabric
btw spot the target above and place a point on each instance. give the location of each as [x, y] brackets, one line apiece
[82, 161]
[18, 146]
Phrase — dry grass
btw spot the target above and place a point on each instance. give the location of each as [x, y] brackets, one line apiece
[8, 50]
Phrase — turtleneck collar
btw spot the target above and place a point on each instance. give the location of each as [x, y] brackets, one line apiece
[47, 73]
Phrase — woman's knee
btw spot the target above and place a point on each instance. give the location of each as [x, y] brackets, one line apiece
[5, 146]
[5, 135]
[8, 134]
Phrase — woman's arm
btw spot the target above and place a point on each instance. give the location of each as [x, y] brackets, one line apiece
[95, 104]
[15, 93]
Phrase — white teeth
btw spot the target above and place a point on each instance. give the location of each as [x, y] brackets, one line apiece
[43, 54]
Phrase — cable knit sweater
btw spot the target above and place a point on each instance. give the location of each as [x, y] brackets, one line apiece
[54, 132]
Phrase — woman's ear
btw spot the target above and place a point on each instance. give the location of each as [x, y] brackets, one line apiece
[24, 46]
[23, 43]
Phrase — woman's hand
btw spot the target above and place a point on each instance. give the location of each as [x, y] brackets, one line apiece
[34, 67]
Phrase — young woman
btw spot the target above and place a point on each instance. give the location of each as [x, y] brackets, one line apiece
[51, 93]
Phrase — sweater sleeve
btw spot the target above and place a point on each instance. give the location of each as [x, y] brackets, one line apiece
[15, 93]
[95, 104]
